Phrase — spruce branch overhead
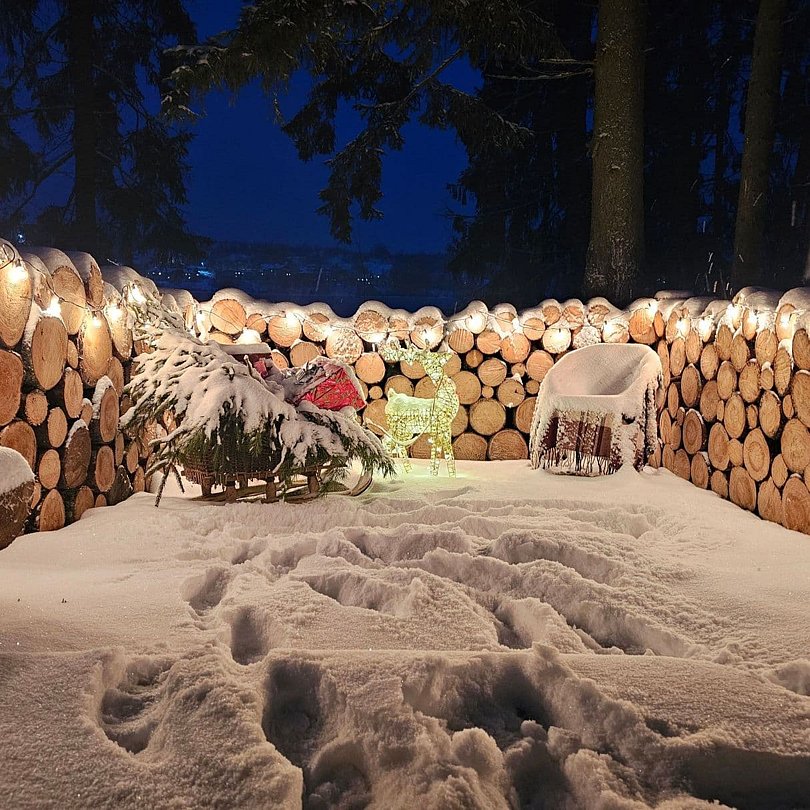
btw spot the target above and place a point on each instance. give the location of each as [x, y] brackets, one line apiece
[388, 61]
[75, 101]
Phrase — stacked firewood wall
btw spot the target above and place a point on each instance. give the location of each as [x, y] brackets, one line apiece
[497, 359]
[734, 416]
[737, 411]
[65, 351]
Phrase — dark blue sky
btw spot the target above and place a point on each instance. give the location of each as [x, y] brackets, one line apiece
[247, 183]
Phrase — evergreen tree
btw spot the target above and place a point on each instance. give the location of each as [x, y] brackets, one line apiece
[390, 61]
[760, 123]
[786, 246]
[679, 135]
[529, 230]
[662, 126]
[79, 79]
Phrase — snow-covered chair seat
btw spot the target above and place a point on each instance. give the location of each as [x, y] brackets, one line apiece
[596, 410]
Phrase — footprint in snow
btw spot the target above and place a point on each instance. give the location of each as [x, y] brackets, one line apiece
[248, 551]
[299, 719]
[252, 634]
[130, 711]
[204, 592]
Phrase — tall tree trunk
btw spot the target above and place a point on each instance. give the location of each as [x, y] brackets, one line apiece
[80, 48]
[760, 115]
[616, 250]
[572, 158]
[801, 201]
[725, 79]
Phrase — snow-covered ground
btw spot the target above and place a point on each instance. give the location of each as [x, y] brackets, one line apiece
[505, 639]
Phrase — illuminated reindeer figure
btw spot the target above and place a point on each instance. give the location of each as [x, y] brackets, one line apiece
[410, 417]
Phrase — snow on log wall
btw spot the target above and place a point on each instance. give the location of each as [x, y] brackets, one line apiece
[734, 414]
[66, 345]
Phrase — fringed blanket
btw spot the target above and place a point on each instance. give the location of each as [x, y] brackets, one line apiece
[592, 433]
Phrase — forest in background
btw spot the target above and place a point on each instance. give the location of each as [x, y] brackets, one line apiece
[606, 141]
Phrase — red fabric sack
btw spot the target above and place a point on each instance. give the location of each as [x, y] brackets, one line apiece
[334, 393]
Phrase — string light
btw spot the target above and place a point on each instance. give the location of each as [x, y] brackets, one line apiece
[705, 326]
[137, 296]
[476, 321]
[683, 327]
[95, 321]
[652, 307]
[54, 308]
[610, 329]
[114, 312]
[18, 273]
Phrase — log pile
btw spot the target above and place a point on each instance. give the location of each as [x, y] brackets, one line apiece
[737, 413]
[734, 418]
[65, 352]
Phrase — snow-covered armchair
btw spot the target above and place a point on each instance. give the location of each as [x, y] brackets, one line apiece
[596, 410]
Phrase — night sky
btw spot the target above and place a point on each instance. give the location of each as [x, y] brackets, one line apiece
[247, 183]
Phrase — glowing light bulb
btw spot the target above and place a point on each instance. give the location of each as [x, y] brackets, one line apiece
[476, 322]
[54, 308]
[683, 327]
[705, 326]
[290, 318]
[137, 295]
[784, 319]
[17, 274]
[516, 325]
[652, 307]
[95, 321]
[762, 320]
[114, 312]
[733, 311]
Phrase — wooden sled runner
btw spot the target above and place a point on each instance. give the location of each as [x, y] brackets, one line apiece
[302, 488]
